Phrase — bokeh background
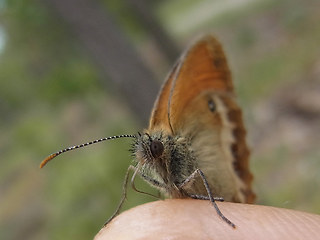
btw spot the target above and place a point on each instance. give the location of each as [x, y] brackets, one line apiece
[73, 71]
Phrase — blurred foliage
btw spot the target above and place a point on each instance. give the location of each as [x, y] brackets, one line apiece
[51, 96]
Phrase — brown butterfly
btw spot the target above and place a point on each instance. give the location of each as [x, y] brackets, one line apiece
[195, 144]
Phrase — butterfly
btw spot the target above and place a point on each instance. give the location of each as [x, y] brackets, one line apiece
[195, 144]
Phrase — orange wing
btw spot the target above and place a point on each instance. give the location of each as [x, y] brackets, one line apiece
[203, 67]
[159, 116]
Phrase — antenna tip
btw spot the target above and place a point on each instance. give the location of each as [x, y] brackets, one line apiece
[47, 159]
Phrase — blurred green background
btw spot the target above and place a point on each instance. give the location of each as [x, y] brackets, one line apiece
[55, 93]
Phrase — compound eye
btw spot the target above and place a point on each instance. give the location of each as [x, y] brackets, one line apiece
[156, 148]
[212, 106]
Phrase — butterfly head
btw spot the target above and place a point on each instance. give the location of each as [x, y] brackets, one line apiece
[165, 157]
[150, 148]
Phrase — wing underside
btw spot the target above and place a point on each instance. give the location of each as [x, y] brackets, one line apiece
[203, 68]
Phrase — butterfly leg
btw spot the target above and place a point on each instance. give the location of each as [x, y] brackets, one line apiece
[153, 182]
[203, 197]
[124, 194]
[209, 197]
[147, 179]
[124, 191]
[189, 180]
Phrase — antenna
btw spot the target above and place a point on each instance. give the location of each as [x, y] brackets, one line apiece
[53, 155]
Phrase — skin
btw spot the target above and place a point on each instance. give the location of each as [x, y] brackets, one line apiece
[196, 219]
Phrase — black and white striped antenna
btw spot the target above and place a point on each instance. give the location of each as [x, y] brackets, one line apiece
[53, 155]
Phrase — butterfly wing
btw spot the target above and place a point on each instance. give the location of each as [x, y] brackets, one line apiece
[159, 117]
[197, 97]
[202, 67]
